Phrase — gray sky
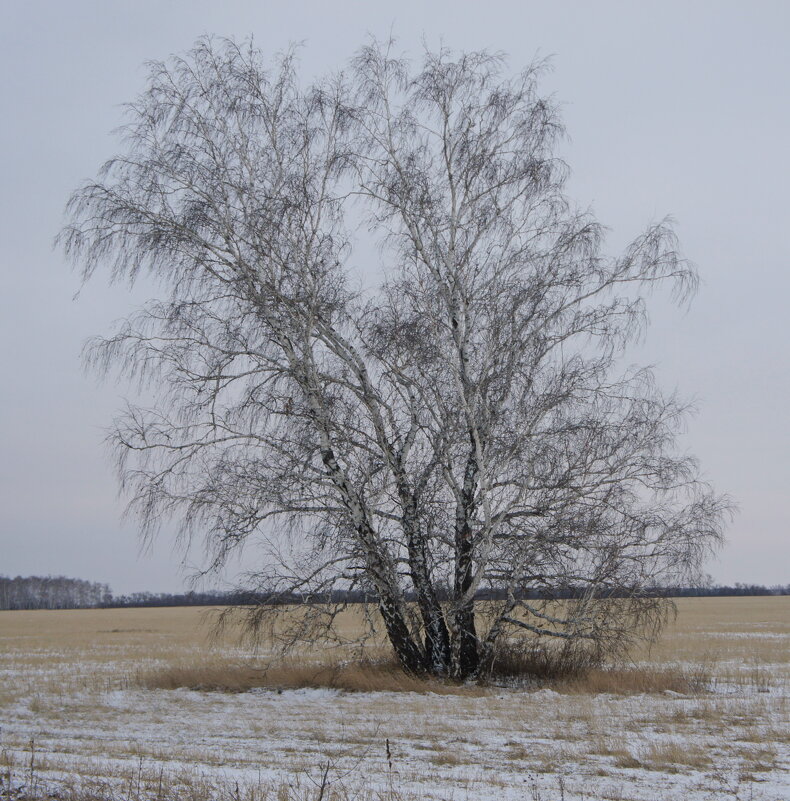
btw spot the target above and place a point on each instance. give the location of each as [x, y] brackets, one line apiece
[677, 108]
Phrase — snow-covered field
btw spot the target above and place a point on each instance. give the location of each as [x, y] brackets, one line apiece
[71, 707]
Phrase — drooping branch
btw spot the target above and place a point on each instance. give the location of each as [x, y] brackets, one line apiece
[466, 427]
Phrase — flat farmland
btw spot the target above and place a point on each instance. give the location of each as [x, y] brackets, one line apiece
[126, 704]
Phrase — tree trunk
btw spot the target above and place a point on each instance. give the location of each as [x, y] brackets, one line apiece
[437, 637]
[409, 655]
[465, 657]
[379, 569]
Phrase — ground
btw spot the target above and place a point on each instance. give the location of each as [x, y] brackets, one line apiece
[81, 704]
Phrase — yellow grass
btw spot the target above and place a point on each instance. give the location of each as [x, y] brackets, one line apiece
[360, 675]
[755, 630]
[737, 640]
[703, 625]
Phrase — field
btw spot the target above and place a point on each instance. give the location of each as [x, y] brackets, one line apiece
[96, 704]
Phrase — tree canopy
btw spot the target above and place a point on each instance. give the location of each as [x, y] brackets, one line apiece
[466, 425]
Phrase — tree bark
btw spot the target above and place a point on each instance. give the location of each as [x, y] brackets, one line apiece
[437, 637]
[409, 655]
[381, 573]
[465, 657]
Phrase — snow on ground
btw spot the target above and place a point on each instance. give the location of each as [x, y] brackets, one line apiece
[732, 742]
[478, 747]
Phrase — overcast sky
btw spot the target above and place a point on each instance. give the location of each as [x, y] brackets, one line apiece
[678, 108]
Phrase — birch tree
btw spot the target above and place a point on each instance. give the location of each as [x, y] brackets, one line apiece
[465, 429]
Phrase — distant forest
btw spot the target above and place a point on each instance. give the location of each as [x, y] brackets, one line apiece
[52, 592]
[59, 592]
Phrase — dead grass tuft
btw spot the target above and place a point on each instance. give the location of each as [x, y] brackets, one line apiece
[605, 746]
[671, 756]
[540, 662]
[625, 759]
[758, 759]
[638, 680]
[446, 758]
[575, 671]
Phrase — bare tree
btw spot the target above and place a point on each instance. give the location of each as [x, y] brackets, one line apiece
[465, 429]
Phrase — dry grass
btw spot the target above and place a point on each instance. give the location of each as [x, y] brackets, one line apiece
[674, 755]
[172, 647]
[680, 679]
[349, 676]
[576, 677]
[745, 636]
[385, 675]
[320, 781]
[746, 631]
[758, 759]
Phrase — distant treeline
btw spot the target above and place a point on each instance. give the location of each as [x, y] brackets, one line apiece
[725, 590]
[51, 592]
[238, 598]
[59, 592]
